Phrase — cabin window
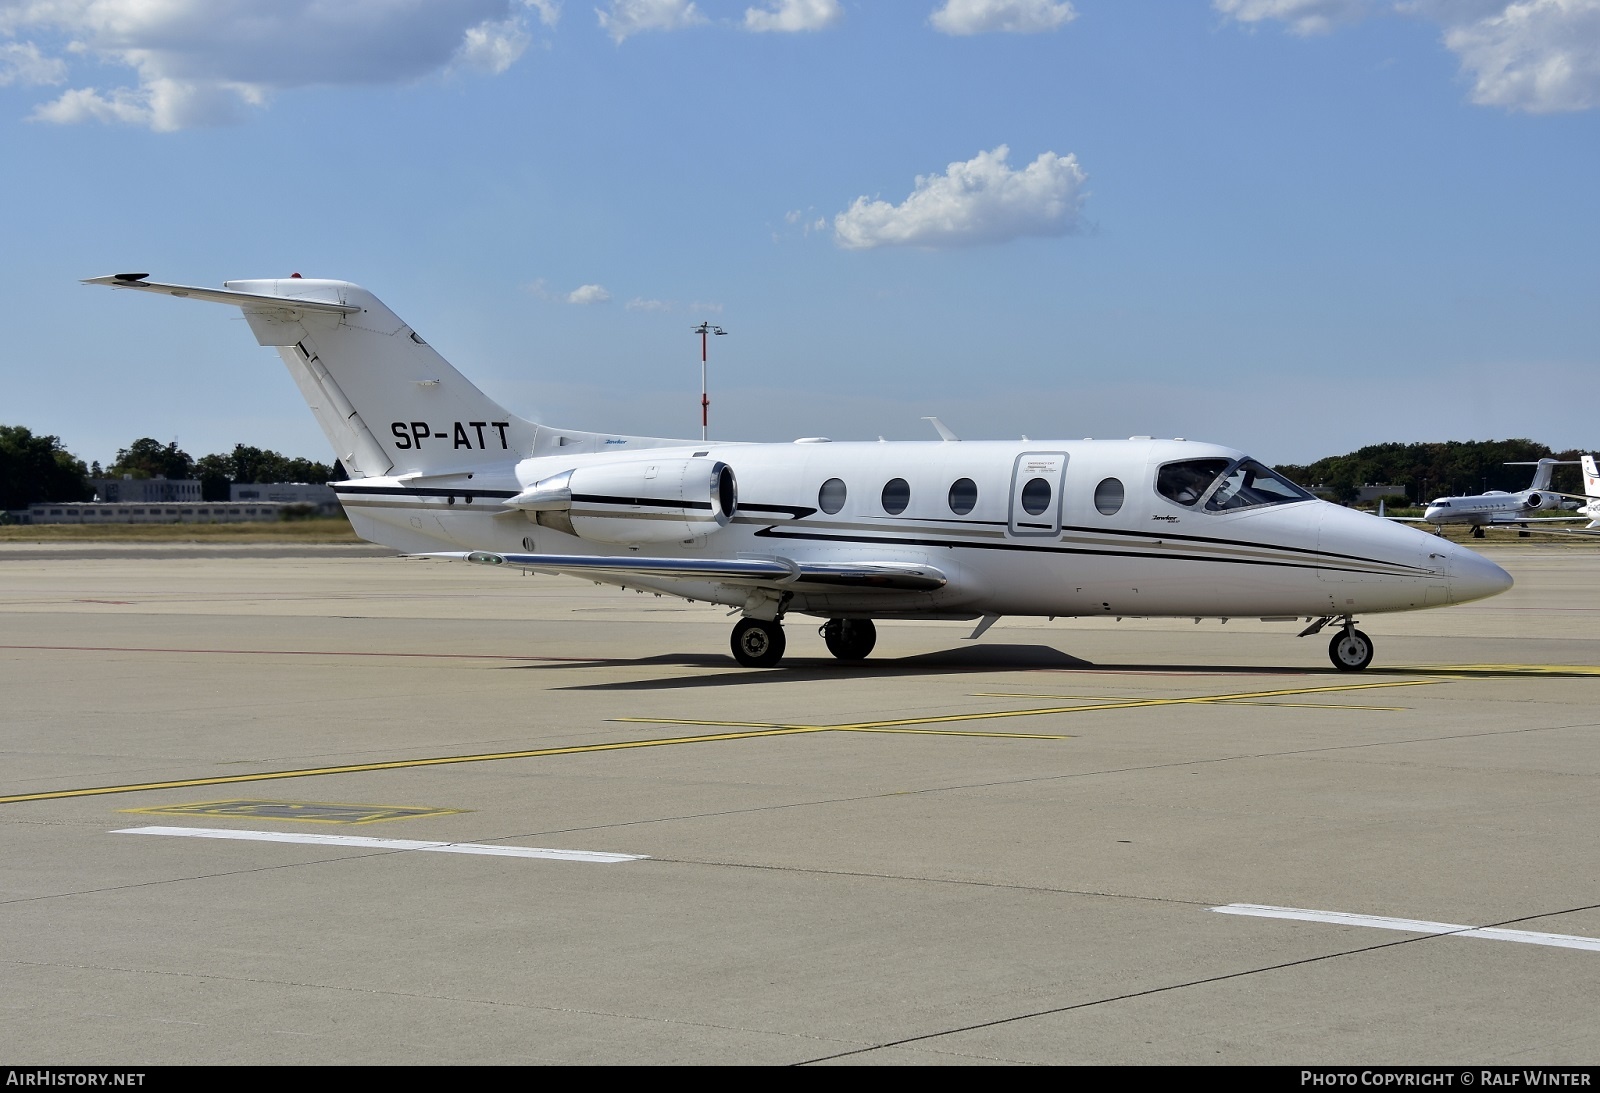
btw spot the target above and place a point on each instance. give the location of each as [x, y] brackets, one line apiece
[1108, 496]
[1036, 496]
[1248, 484]
[1188, 481]
[963, 496]
[830, 499]
[896, 496]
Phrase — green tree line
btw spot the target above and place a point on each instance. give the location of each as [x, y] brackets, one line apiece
[1446, 468]
[39, 468]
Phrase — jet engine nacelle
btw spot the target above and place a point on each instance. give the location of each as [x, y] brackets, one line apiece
[637, 501]
[1541, 501]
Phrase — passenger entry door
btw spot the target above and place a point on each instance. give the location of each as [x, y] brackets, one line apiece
[1036, 479]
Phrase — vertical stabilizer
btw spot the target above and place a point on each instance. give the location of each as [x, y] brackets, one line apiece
[1591, 487]
[387, 401]
[1541, 476]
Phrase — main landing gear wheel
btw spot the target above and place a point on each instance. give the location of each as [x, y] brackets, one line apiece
[757, 643]
[1350, 650]
[849, 639]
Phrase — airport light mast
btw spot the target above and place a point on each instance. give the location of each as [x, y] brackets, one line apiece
[704, 330]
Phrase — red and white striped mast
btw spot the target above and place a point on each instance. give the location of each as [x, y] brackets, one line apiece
[705, 329]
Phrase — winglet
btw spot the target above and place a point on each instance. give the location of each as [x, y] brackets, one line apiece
[943, 429]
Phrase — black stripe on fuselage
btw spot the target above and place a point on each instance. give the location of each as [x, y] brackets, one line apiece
[800, 512]
[1063, 548]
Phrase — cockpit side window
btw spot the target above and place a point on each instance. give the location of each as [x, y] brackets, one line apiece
[1248, 484]
[1187, 482]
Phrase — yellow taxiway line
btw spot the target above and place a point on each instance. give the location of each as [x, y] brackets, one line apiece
[986, 715]
[747, 731]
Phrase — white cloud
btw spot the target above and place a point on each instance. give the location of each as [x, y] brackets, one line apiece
[1013, 16]
[22, 63]
[628, 17]
[1305, 17]
[1539, 56]
[198, 62]
[793, 15]
[708, 306]
[980, 201]
[639, 303]
[588, 294]
[493, 47]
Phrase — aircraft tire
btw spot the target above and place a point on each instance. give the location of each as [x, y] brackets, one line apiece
[850, 639]
[1350, 650]
[757, 643]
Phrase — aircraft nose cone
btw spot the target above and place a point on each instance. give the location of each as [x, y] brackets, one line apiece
[1474, 577]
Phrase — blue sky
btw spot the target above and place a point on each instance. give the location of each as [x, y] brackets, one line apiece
[1292, 226]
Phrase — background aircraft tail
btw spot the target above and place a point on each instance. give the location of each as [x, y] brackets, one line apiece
[1542, 476]
[1591, 486]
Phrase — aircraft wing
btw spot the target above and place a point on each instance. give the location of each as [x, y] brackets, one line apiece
[1591, 531]
[753, 571]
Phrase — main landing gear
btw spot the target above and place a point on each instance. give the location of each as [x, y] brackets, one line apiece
[849, 639]
[759, 643]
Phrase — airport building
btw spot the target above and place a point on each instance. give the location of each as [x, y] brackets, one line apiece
[146, 490]
[178, 512]
[288, 493]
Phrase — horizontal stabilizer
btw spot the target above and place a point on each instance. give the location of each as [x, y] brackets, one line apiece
[250, 300]
[888, 576]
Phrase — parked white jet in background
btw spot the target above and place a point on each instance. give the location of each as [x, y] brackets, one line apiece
[1588, 510]
[1497, 507]
[847, 533]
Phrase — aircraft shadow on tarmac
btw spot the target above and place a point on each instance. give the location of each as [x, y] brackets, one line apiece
[983, 658]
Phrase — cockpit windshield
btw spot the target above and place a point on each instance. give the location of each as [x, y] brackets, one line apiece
[1226, 485]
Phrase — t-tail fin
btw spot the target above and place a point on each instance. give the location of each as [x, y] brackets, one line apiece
[1541, 476]
[387, 402]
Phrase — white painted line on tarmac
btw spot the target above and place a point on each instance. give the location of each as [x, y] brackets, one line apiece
[367, 842]
[1413, 925]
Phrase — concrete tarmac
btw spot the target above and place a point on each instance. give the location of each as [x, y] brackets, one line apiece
[1003, 851]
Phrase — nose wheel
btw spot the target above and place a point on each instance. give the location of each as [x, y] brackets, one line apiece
[849, 639]
[757, 643]
[1350, 650]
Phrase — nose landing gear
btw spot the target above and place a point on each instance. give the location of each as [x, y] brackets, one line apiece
[1350, 650]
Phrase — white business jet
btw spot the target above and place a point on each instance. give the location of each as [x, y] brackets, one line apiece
[847, 533]
[1499, 508]
[1586, 506]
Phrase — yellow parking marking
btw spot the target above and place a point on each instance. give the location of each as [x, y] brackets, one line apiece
[748, 731]
[313, 812]
[1230, 701]
[986, 715]
[401, 764]
[865, 726]
[1508, 669]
